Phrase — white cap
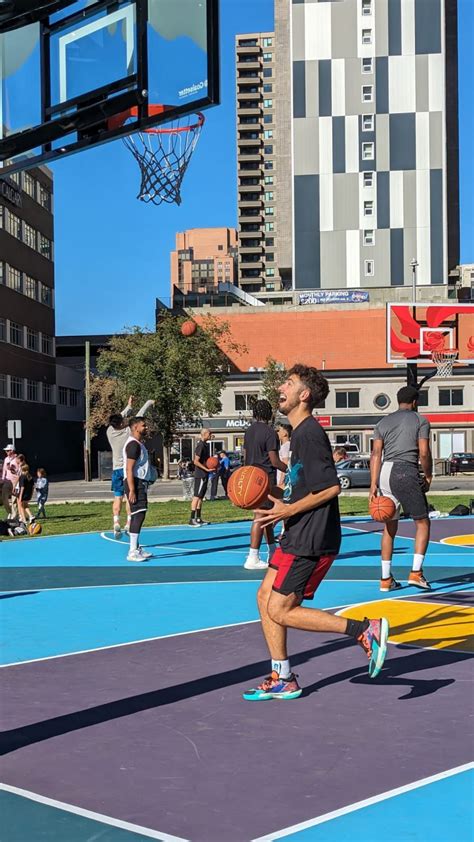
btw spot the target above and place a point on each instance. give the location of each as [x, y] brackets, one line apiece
[9, 447]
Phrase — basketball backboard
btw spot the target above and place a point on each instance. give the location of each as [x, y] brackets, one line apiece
[414, 331]
[68, 77]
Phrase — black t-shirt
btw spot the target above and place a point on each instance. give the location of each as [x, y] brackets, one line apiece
[133, 450]
[259, 440]
[27, 485]
[201, 453]
[311, 469]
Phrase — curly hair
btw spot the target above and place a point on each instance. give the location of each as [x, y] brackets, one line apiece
[262, 410]
[313, 380]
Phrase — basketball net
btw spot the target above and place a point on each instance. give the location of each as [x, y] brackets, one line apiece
[163, 155]
[444, 361]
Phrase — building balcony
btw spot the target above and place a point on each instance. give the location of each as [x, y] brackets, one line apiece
[250, 203]
[249, 141]
[251, 234]
[245, 249]
[250, 80]
[245, 95]
[249, 188]
[247, 217]
[251, 264]
[256, 64]
[249, 156]
[248, 49]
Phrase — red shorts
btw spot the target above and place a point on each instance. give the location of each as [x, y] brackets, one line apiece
[300, 575]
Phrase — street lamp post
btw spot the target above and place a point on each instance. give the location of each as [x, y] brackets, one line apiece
[414, 266]
[412, 369]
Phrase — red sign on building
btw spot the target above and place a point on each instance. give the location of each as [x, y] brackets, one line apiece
[324, 420]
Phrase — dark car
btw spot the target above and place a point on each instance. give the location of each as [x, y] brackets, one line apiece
[236, 460]
[461, 462]
[354, 473]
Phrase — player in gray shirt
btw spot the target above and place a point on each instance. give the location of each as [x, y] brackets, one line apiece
[118, 432]
[401, 441]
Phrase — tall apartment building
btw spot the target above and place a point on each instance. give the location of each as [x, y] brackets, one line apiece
[375, 140]
[27, 324]
[257, 173]
[203, 259]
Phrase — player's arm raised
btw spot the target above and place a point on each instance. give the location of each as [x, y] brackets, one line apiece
[282, 511]
[375, 465]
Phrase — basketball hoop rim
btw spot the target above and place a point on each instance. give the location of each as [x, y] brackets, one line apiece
[445, 354]
[119, 120]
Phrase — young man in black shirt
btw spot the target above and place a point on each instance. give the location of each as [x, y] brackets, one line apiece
[309, 545]
[261, 449]
[201, 477]
[138, 474]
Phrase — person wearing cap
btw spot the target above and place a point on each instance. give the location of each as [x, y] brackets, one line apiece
[401, 444]
[10, 474]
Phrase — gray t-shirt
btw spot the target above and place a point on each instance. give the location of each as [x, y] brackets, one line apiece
[117, 438]
[400, 432]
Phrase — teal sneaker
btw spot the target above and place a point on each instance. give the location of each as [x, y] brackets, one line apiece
[274, 687]
[374, 643]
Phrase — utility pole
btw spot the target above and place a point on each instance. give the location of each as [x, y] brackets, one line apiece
[87, 395]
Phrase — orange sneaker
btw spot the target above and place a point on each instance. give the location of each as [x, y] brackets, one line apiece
[417, 579]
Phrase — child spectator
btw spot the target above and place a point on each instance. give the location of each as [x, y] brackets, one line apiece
[25, 493]
[186, 475]
[42, 490]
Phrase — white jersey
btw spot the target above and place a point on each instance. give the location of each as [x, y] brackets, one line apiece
[142, 468]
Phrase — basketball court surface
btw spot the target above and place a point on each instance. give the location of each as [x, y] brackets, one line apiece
[122, 710]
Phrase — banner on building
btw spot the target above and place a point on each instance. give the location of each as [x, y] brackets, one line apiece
[333, 296]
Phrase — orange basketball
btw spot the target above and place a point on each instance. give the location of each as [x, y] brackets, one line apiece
[382, 509]
[212, 462]
[248, 487]
[188, 328]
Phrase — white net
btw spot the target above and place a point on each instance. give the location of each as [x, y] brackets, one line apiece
[444, 361]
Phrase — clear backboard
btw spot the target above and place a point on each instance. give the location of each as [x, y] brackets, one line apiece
[415, 331]
[77, 74]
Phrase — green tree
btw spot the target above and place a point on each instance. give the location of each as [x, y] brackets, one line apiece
[275, 374]
[183, 375]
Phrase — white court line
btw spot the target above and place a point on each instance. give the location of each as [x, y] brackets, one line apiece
[145, 528]
[367, 802]
[186, 550]
[89, 814]
[152, 584]
[176, 634]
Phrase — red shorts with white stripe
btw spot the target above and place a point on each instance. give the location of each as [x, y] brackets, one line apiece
[300, 575]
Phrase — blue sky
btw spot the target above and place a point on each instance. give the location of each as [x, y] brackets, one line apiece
[112, 251]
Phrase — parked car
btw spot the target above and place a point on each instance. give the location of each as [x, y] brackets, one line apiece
[461, 462]
[236, 460]
[354, 473]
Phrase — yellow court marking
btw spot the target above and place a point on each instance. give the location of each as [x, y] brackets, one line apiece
[423, 624]
[459, 540]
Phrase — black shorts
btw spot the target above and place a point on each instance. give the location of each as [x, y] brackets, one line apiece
[200, 486]
[300, 575]
[141, 490]
[402, 483]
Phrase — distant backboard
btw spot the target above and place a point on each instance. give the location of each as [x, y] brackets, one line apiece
[66, 78]
[415, 331]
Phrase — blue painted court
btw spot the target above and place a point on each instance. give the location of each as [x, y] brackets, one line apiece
[123, 716]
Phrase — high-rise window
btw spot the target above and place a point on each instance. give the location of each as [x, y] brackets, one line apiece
[14, 279]
[16, 388]
[368, 151]
[29, 184]
[367, 93]
[13, 225]
[32, 339]
[368, 208]
[369, 237]
[368, 122]
[366, 36]
[367, 64]
[16, 334]
[29, 234]
[32, 390]
[368, 179]
[369, 268]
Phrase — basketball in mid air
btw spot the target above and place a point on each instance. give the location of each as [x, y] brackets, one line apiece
[248, 487]
[188, 328]
[382, 509]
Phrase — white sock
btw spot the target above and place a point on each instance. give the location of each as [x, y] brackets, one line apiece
[116, 519]
[133, 541]
[282, 668]
[418, 560]
[271, 550]
[253, 553]
[386, 569]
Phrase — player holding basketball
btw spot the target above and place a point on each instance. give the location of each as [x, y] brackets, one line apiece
[261, 447]
[309, 545]
[201, 477]
[401, 439]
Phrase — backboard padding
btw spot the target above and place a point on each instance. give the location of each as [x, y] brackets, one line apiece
[415, 330]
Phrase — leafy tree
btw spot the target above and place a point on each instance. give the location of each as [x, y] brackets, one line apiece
[183, 375]
[275, 374]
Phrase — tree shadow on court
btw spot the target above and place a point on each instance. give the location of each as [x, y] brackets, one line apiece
[22, 593]
[458, 634]
[38, 732]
